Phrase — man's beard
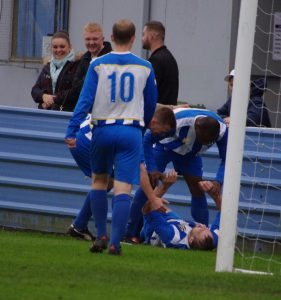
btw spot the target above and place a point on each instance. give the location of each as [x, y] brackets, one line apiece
[146, 45]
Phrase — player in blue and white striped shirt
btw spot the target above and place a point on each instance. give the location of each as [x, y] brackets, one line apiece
[167, 229]
[197, 130]
[162, 122]
[121, 88]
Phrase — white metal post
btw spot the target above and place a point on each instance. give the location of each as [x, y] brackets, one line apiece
[235, 147]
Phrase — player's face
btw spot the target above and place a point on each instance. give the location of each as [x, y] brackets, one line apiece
[146, 38]
[93, 41]
[201, 232]
[204, 138]
[60, 48]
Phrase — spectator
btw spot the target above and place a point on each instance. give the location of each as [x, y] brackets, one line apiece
[55, 80]
[257, 113]
[121, 88]
[96, 46]
[163, 62]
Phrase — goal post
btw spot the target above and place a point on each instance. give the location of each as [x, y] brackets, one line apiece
[235, 147]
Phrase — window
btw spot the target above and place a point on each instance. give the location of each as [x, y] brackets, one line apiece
[34, 19]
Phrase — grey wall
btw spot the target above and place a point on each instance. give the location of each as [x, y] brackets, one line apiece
[198, 34]
[106, 12]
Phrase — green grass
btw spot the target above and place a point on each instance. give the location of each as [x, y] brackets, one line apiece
[45, 266]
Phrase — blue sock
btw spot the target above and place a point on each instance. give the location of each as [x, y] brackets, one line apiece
[99, 210]
[82, 219]
[136, 218]
[199, 209]
[120, 215]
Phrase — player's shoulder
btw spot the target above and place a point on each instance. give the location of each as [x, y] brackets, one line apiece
[101, 59]
[140, 61]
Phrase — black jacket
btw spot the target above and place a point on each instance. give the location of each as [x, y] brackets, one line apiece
[257, 113]
[167, 75]
[43, 85]
[81, 72]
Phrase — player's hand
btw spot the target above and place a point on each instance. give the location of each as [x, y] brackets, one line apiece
[170, 178]
[156, 203]
[71, 142]
[154, 178]
[213, 188]
[186, 105]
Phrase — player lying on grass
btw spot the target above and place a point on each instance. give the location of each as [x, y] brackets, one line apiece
[167, 229]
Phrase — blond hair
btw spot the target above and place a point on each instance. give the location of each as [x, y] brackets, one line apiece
[93, 27]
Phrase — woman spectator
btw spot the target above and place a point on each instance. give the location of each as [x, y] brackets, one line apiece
[55, 80]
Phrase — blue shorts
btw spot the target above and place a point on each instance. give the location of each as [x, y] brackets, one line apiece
[183, 164]
[81, 153]
[118, 147]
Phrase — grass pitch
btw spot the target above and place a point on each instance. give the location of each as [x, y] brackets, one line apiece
[45, 266]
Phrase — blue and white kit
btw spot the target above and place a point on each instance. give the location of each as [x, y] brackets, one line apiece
[81, 153]
[120, 88]
[170, 231]
[183, 149]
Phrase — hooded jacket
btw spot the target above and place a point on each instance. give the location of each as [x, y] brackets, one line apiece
[257, 113]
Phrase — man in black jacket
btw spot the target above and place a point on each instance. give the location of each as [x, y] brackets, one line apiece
[164, 64]
[96, 46]
[257, 112]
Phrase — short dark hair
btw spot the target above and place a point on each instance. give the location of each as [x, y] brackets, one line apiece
[208, 127]
[206, 244]
[157, 27]
[123, 31]
[166, 116]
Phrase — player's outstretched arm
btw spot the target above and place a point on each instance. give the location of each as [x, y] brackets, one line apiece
[154, 201]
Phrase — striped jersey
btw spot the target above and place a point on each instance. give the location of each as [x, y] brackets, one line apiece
[168, 230]
[120, 88]
[184, 141]
[86, 128]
